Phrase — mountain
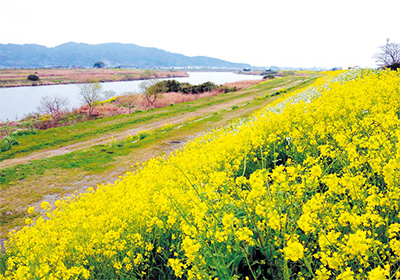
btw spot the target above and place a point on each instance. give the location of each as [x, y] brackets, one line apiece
[111, 54]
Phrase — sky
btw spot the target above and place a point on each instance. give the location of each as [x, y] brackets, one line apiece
[284, 33]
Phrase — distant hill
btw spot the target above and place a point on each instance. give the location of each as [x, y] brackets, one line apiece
[111, 54]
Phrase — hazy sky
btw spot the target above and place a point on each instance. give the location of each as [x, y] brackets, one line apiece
[307, 33]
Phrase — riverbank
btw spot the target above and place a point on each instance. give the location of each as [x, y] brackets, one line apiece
[19, 77]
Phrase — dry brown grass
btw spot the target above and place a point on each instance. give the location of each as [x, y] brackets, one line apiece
[164, 100]
[106, 110]
[18, 77]
[178, 97]
[243, 84]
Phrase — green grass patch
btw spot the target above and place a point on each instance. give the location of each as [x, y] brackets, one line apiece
[96, 159]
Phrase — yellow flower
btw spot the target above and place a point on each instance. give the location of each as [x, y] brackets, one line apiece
[323, 274]
[294, 250]
[377, 273]
[45, 205]
[246, 235]
[228, 220]
[176, 266]
[357, 243]
[139, 259]
[316, 171]
[117, 265]
[276, 221]
[346, 275]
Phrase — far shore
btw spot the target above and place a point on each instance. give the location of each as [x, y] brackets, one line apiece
[19, 77]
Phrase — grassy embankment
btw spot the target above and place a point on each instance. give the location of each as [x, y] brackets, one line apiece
[24, 185]
[18, 77]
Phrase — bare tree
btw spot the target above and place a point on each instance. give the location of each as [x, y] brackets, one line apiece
[129, 99]
[389, 54]
[90, 93]
[152, 91]
[52, 105]
[108, 94]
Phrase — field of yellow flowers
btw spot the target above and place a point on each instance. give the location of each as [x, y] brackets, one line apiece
[307, 188]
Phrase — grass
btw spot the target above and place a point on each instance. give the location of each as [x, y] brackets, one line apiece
[95, 159]
[52, 178]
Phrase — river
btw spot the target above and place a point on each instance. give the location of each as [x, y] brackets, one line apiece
[18, 102]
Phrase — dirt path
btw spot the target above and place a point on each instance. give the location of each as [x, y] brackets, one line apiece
[120, 135]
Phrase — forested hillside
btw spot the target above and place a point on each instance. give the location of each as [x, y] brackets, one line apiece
[111, 55]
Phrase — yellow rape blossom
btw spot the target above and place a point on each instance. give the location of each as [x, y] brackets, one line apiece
[294, 250]
[245, 235]
[45, 205]
[377, 273]
[31, 210]
[346, 275]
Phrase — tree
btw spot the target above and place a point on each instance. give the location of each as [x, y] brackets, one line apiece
[33, 77]
[207, 86]
[129, 99]
[268, 76]
[388, 55]
[99, 64]
[108, 94]
[52, 105]
[171, 85]
[90, 93]
[152, 91]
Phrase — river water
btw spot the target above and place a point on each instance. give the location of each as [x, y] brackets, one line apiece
[17, 102]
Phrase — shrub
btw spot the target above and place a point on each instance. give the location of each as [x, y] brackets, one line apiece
[227, 89]
[269, 76]
[187, 88]
[20, 132]
[33, 77]
[7, 142]
[393, 66]
[171, 85]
